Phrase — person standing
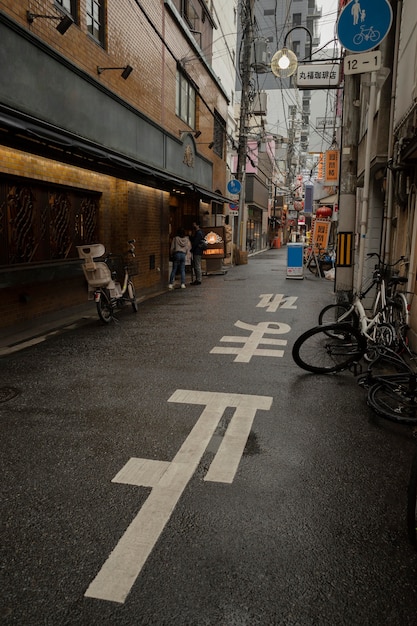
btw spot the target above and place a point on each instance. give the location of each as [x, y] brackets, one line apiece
[197, 251]
[180, 245]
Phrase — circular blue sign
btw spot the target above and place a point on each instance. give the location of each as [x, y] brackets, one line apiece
[363, 24]
[234, 186]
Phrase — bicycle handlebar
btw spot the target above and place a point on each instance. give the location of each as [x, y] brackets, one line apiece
[371, 254]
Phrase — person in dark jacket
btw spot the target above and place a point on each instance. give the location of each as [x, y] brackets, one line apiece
[197, 251]
[179, 247]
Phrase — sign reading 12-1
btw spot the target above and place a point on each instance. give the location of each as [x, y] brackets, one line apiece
[363, 24]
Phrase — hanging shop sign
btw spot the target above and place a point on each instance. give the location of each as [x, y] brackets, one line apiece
[321, 232]
[215, 238]
[331, 175]
[318, 76]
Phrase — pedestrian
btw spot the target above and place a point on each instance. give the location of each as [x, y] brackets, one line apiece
[197, 249]
[180, 246]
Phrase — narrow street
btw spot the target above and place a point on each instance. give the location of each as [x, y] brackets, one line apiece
[177, 468]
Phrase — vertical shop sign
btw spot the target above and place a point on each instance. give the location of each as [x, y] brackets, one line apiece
[331, 176]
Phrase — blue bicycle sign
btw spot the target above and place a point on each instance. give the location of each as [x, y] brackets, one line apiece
[363, 24]
[366, 34]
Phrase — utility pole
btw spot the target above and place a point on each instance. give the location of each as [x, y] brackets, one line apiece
[245, 65]
[348, 185]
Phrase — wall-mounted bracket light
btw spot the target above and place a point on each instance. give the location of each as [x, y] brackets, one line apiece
[284, 62]
[64, 21]
[196, 133]
[127, 70]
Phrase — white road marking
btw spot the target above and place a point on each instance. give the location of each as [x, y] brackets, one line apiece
[271, 303]
[250, 344]
[168, 481]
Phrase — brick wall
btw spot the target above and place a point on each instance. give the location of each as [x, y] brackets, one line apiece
[127, 211]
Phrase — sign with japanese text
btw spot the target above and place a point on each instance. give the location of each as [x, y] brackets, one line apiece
[318, 75]
[215, 238]
[321, 232]
[331, 175]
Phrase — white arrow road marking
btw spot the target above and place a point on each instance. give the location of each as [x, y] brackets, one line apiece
[168, 481]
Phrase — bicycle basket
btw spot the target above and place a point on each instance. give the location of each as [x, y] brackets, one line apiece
[133, 267]
[116, 266]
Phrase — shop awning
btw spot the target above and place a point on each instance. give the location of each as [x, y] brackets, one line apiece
[77, 150]
[206, 194]
[329, 200]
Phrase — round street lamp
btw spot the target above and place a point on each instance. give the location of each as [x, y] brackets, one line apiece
[284, 62]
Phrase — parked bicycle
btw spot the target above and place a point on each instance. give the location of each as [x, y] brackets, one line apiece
[388, 321]
[109, 279]
[318, 261]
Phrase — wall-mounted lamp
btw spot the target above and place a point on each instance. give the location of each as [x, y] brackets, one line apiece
[284, 62]
[65, 21]
[196, 133]
[127, 70]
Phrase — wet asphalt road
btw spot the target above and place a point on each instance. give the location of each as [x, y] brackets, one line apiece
[311, 528]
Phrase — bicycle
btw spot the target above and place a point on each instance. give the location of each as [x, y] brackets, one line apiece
[391, 381]
[388, 323]
[329, 348]
[109, 279]
[318, 260]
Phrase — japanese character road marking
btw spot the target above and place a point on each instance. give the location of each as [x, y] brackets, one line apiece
[168, 481]
[271, 303]
[257, 337]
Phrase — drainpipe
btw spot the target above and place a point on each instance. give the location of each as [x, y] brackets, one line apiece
[366, 181]
[390, 178]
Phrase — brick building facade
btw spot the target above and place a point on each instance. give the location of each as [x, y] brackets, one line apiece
[90, 154]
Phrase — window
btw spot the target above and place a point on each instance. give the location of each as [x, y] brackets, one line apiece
[185, 100]
[296, 19]
[41, 223]
[219, 135]
[191, 14]
[95, 21]
[68, 6]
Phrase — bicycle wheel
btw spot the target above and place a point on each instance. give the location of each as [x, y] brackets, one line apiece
[399, 313]
[132, 295]
[337, 313]
[327, 349]
[395, 398]
[387, 362]
[412, 503]
[382, 335]
[312, 265]
[104, 306]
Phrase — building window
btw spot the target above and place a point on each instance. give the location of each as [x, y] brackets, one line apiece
[219, 134]
[95, 19]
[296, 19]
[185, 100]
[191, 15]
[69, 6]
[41, 223]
